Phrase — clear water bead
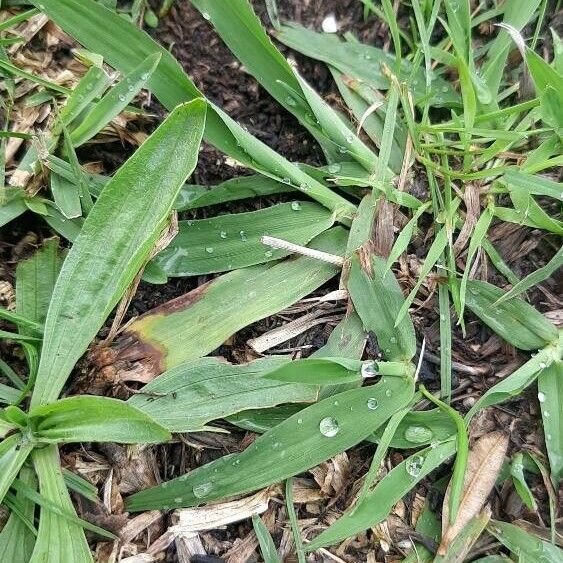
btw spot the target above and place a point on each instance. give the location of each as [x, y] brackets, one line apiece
[368, 369]
[223, 234]
[541, 397]
[418, 434]
[295, 205]
[209, 249]
[329, 427]
[372, 403]
[414, 465]
[202, 490]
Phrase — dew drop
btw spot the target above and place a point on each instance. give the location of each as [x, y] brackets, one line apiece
[223, 234]
[89, 86]
[368, 369]
[286, 180]
[121, 97]
[546, 414]
[541, 397]
[414, 465]
[178, 500]
[342, 149]
[334, 168]
[209, 249]
[130, 88]
[388, 392]
[445, 89]
[202, 489]
[349, 138]
[290, 101]
[542, 366]
[243, 236]
[393, 340]
[144, 76]
[329, 427]
[372, 403]
[304, 187]
[206, 16]
[299, 421]
[418, 434]
[295, 205]
[268, 254]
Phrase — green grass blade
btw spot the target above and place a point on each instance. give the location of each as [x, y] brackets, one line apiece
[229, 242]
[66, 196]
[514, 320]
[550, 394]
[86, 418]
[187, 397]
[14, 451]
[267, 546]
[523, 544]
[378, 299]
[115, 101]
[94, 277]
[380, 501]
[519, 480]
[304, 440]
[196, 323]
[16, 539]
[293, 521]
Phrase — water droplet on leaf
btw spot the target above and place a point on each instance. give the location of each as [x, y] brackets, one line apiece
[202, 490]
[368, 369]
[372, 403]
[295, 205]
[414, 465]
[329, 427]
[418, 434]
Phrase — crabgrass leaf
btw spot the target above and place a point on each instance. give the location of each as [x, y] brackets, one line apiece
[187, 397]
[378, 503]
[267, 546]
[232, 241]
[86, 418]
[58, 539]
[533, 184]
[66, 196]
[35, 280]
[115, 101]
[14, 451]
[517, 381]
[519, 480]
[378, 298]
[196, 323]
[523, 544]
[550, 394]
[516, 321]
[16, 538]
[130, 213]
[304, 440]
[12, 204]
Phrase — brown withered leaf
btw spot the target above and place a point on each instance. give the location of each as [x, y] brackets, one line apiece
[483, 466]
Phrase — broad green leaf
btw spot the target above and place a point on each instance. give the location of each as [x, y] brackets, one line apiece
[125, 46]
[16, 539]
[187, 397]
[94, 419]
[14, 451]
[519, 481]
[79, 485]
[533, 184]
[12, 204]
[243, 187]
[362, 62]
[130, 212]
[517, 381]
[262, 420]
[516, 321]
[232, 241]
[267, 546]
[550, 395]
[523, 544]
[35, 280]
[196, 323]
[58, 538]
[320, 371]
[421, 428]
[115, 101]
[66, 196]
[378, 502]
[304, 440]
[377, 298]
[535, 277]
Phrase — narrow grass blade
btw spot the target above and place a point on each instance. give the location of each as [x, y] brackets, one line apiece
[57, 537]
[115, 101]
[298, 542]
[233, 241]
[94, 419]
[196, 323]
[434, 252]
[516, 382]
[243, 187]
[514, 320]
[533, 184]
[380, 501]
[519, 481]
[535, 277]
[16, 539]
[12, 204]
[302, 441]
[267, 546]
[550, 394]
[523, 544]
[378, 300]
[187, 397]
[91, 281]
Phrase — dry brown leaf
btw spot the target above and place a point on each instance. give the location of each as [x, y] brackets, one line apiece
[483, 466]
